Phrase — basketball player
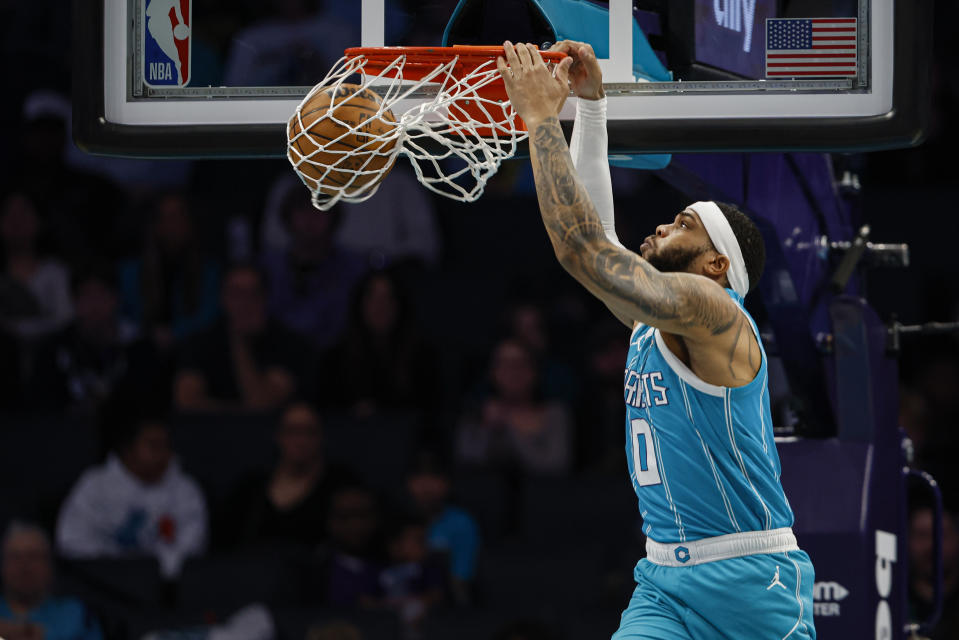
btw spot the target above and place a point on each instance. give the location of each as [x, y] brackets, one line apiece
[721, 558]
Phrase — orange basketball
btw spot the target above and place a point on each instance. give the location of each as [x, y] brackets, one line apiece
[335, 122]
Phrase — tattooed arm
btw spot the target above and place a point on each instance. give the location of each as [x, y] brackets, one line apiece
[681, 303]
[718, 337]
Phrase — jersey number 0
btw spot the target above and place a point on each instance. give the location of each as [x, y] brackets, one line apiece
[644, 453]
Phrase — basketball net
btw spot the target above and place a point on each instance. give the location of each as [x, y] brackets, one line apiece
[455, 140]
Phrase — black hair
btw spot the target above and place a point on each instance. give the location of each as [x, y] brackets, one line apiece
[354, 483]
[750, 241]
[125, 414]
[400, 522]
[523, 629]
[190, 264]
[428, 461]
[358, 350]
[44, 239]
[296, 196]
[400, 295]
[538, 391]
[94, 271]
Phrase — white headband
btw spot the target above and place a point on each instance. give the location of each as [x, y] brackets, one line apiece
[717, 226]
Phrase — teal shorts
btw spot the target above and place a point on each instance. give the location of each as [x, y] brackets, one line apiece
[761, 597]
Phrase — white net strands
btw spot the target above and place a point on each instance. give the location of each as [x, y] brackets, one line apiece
[455, 138]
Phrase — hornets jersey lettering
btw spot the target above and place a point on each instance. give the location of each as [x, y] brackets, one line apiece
[701, 457]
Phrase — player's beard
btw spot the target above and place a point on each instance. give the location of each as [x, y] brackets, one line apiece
[674, 259]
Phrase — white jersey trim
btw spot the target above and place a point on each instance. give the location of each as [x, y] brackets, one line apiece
[685, 372]
[762, 417]
[732, 545]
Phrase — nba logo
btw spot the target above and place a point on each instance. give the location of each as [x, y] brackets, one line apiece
[166, 42]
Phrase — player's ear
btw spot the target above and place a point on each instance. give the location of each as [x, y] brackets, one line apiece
[717, 266]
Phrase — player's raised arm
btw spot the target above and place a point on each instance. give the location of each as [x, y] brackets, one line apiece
[589, 145]
[690, 305]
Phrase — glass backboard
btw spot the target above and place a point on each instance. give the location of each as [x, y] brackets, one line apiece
[216, 78]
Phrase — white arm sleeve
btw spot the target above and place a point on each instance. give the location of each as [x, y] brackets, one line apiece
[589, 148]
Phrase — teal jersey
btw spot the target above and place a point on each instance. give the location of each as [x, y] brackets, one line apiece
[701, 457]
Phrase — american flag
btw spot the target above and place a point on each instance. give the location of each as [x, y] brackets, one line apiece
[811, 47]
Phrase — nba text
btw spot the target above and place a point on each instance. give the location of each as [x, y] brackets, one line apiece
[160, 71]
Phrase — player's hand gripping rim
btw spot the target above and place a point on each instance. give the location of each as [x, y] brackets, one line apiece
[585, 74]
[535, 92]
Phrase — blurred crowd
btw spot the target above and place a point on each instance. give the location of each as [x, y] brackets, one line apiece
[113, 308]
[136, 292]
[129, 302]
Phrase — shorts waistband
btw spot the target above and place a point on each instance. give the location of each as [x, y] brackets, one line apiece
[733, 545]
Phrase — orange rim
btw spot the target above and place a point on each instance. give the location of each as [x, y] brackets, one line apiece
[466, 53]
[421, 61]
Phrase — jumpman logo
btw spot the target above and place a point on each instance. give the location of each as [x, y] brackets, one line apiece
[776, 581]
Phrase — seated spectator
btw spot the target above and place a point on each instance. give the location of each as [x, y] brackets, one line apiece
[254, 621]
[527, 324]
[450, 529]
[523, 629]
[413, 581]
[350, 561]
[169, 292]
[514, 427]
[381, 341]
[601, 403]
[335, 630]
[11, 371]
[28, 609]
[34, 288]
[922, 569]
[246, 361]
[130, 174]
[290, 503]
[397, 227]
[81, 210]
[137, 502]
[310, 283]
[294, 45]
[82, 365]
